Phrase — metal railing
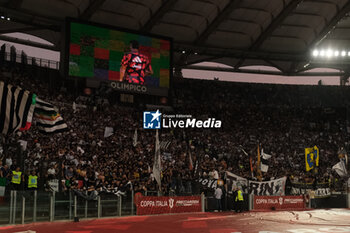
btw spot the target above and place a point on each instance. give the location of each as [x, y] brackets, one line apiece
[33, 206]
[34, 61]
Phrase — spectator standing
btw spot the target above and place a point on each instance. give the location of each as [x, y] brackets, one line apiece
[218, 196]
[239, 200]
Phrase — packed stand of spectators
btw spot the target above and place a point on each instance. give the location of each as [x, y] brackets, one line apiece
[283, 120]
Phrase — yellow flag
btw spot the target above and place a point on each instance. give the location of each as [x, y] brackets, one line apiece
[311, 158]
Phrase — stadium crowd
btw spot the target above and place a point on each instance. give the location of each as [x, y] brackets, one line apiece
[283, 120]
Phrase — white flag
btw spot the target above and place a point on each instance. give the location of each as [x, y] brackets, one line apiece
[74, 106]
[340, 169]
[135, 139]
[157, 164]
[264, 164]
[108, 132]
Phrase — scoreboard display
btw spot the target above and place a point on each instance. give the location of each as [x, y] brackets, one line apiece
[116, 55]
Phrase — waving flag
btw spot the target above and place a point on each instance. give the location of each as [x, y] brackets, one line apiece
[16, 108]
[47, 117]
[108, 132]
[264, 165]
[157, 163]
[134, 142]
[312, 155]
[340, 168]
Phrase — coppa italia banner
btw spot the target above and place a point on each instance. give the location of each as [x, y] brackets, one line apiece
[278, 202]
[163, 205]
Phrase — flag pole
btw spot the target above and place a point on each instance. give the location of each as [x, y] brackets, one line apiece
[157, 163]
[258, 167]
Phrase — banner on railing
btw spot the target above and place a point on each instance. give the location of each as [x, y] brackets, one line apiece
[163, 205]
[234, 181]
[278, 202]
[321, 190]
[208, 183]
[264, 188]
[268, 188]
[53, 184]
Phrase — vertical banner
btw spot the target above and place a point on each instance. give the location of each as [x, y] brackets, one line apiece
[311, 158]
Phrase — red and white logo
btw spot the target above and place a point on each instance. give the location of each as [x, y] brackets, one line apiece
[137, 60]
[171, 203]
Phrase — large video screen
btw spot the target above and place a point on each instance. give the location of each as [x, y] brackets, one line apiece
[108, 54]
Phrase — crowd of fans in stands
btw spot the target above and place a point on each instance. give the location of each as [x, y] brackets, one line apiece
[283, 120]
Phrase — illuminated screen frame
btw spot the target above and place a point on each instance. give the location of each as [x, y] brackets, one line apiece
[117, 85]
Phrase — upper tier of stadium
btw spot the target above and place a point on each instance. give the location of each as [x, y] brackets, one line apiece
[277, 33]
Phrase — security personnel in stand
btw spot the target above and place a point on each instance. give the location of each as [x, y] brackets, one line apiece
[16, 179]
[33, 181]
[234, 193]
[239, 200]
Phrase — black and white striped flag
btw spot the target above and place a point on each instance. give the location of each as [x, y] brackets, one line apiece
[47, 118]
[16, 108]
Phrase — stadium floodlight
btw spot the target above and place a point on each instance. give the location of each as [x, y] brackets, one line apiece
[195, 53]
[8, 18]
[183, 51]
[2, 17]
[322, 53]
[329, 53]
